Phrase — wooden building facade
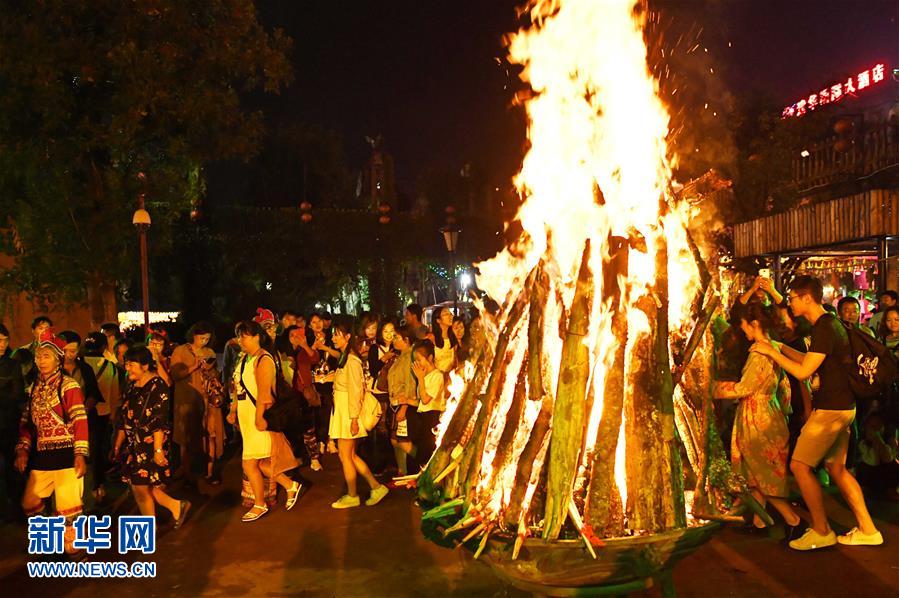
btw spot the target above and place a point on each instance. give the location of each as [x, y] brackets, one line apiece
[863, 224]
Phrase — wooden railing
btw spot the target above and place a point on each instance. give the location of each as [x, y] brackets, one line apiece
[874, 213]
[868, 152]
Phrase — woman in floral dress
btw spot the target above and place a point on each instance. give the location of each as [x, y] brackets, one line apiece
[760, 442]
[144, 428]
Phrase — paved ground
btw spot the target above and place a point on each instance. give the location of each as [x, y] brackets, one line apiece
[378, 551]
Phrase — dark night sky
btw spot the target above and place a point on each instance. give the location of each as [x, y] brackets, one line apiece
[423, 73]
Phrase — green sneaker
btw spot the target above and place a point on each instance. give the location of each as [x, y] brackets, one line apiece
[812, 540]
[377, 495]
[346, 502]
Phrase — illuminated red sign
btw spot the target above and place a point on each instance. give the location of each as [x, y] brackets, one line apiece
[837, 91]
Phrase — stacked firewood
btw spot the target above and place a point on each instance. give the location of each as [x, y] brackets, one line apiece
[564, 483]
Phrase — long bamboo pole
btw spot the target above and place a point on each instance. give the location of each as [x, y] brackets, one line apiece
[604, 509]
[570, 412]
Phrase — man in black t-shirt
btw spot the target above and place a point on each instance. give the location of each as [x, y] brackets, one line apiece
[825, 436]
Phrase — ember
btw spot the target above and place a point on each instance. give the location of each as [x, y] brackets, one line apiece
[566, 421]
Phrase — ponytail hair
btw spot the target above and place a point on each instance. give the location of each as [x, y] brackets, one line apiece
[345, 327]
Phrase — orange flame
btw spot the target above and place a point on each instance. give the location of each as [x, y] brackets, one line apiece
[596, 122]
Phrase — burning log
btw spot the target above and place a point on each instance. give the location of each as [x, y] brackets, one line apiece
[604, 510]
[469, 401]
[674, 505]
[470, 466]
[454, 431]
[702, 324]
[528, 460]
[519, 538]
[653, 460]
[536, 389]
[505, 447]
[570, 421]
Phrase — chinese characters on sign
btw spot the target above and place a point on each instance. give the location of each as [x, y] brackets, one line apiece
[837, 91]
[135, 533]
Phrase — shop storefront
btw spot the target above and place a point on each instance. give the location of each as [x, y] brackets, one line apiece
[851, 244]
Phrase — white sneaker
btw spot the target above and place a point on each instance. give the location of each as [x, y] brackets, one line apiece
[346, 502]
[855, 537]
[812, 540]
[315, 465]
[376, 495]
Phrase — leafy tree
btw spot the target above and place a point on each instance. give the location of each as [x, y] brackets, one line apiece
[96, 92]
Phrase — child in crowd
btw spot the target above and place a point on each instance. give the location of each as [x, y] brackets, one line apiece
[431, 399]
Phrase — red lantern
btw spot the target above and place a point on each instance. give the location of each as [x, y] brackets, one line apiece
[842, 145]
[195, 214]
[384, 219]
[305, 206]
[306, 217]
[843, 126]
[450, 209]
[384, 208]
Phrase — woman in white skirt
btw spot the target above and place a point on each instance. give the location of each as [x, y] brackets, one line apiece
[349, 391]
[264, 453]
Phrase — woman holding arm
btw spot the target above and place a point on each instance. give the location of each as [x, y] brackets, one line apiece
[349, 391]
[760, 442]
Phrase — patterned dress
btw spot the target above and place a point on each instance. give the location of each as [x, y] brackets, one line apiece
[145, 411]
[760, 442]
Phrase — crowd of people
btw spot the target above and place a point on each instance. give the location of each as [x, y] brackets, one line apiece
[371, 390]
[105, 409]
[789, 361]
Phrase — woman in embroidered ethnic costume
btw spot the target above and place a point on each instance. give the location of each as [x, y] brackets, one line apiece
[760, 441]
[144, 430]
[53, 437]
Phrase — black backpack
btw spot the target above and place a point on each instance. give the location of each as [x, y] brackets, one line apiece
[872, 369]
[286, 413]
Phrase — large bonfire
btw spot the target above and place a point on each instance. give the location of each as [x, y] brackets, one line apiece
[565, 420]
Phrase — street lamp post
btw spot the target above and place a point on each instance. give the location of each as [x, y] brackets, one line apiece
[451, 238]
[141, 220]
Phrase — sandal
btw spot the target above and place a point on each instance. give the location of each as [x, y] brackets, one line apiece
[293, 494]
[254, 513]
